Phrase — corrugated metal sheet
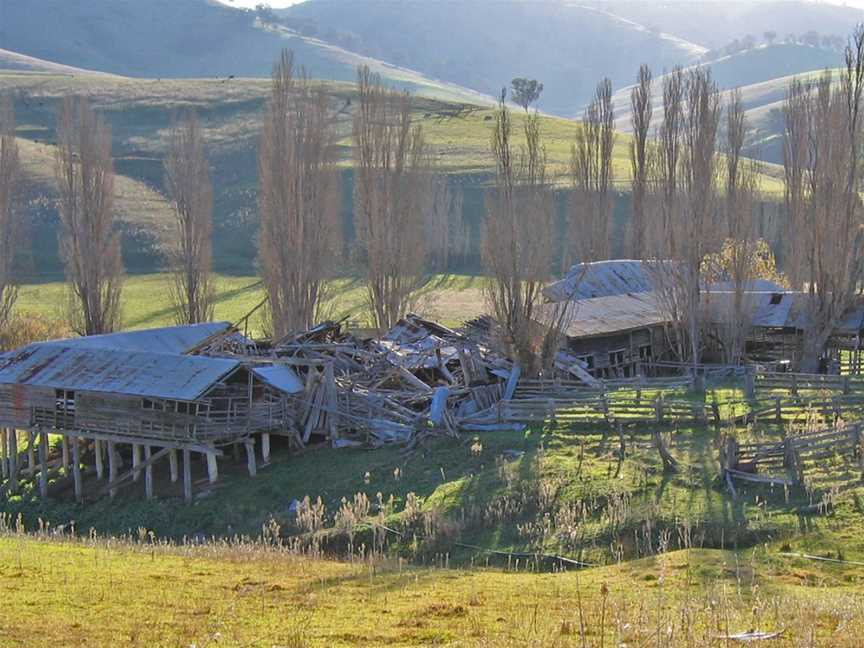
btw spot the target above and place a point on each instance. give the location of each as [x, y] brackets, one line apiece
[170, 339]
[80, 368]
[600, 279]
[280, 377]
[614, 314]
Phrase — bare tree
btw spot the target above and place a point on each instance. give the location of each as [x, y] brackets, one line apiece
[830, 243]
[89, 244]
[795, 151]
[640, 162]
[591, 168]
[187, 177]
[300, 198]
[446, 231]
[741, 244]
[10, 217]
[518, 234]
[392, 198]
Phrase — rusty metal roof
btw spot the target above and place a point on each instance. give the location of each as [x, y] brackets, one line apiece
[169, 339]
[608, 315]
[600, 279]
[59, 365]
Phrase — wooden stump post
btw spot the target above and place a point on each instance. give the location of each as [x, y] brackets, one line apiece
[794, 384]
[97, 453]
[265, 447]
[187, 475]
[13, 460]
[148, 474]
[212, 467]
[172, 464]
[76, 470]
[43, 462]
[31, 452]
[750, 385]
[64, 453]
[136, 461]
[250, 457]
[112, 468]
[778, 411]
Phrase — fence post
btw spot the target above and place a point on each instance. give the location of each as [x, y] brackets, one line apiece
[658, 409]
[778, 410]
[794, 384]
[846, 390]
[750, 385]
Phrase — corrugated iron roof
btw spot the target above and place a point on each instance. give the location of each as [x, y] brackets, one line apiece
[169, 339]
[59, 365]
[600, 279]
[613, 314]
[281, 377]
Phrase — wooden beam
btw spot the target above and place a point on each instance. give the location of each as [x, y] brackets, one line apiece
[112, 469]
[250, 457]
[43, 462]
[64, 454]
[212, 468]
[13, 460]
[136, 461]
[187, 475]
[76, 469]
[97, 452]
[172, 463]
[118, 481]
[148, 473]
[265, 447]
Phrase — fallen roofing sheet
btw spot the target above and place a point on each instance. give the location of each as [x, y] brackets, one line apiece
[159, 375]
[169, 339]
[281, 377]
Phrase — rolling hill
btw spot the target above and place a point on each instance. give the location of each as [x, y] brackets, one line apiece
[483, 45]
[762, 74]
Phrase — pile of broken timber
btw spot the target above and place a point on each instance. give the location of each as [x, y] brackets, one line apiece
[420, 378]
[744, 461]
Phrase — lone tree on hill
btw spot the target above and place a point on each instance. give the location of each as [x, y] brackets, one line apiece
[10, 175]
[89, 245]
[526, 91]
[187, 176]
[300, 198]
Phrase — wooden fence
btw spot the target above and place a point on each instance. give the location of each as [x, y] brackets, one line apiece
[797, 382]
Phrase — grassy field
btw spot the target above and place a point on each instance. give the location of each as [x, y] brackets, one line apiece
[119, 593]
[147, 299]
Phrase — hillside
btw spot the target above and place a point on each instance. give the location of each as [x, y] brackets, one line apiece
[718, 22]
[140, 110]
[566, 46]
[15, 61]
[762, 74]
[178, 38]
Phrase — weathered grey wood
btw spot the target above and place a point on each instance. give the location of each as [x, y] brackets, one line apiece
[64, 454]
[187, 475]
[97, 453]
[124, 479]
[4, 453]
[148, 473]
[112, 469]
[13, 460]
[31, 452]
[212, 468]
[43, 462]
[136, 462]
[250, 457]
[265, 447]
[76, 470]
[172, 464]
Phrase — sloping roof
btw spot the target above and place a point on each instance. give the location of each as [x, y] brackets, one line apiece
[613, 314]
[787, 309]
[281, 377]
[169, 339]
[600, 279]
[78, 367]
